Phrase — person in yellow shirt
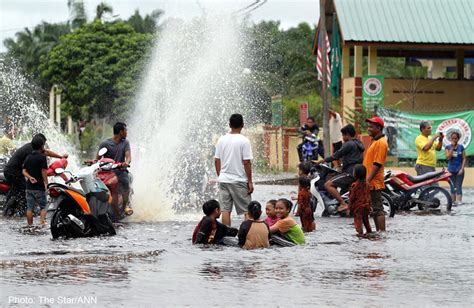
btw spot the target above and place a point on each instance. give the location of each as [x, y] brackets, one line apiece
[426, 148]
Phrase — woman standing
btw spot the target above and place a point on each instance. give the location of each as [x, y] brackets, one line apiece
[456, 157]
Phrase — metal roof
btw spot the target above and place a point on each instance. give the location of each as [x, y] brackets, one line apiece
[407, 21]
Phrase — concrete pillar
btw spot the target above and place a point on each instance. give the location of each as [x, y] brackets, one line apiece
[58, 110]
[70, 127]
[372, 61]
[346, 61]
[358, 60]
[52, 108]
[460, 64]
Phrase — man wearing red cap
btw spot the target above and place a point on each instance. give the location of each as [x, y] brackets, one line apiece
[374, 162]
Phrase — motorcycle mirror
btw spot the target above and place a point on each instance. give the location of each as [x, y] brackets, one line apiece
[102, 151]
[59, 170]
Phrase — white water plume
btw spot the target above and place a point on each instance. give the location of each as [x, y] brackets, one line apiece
[192, 86]
[22, 112]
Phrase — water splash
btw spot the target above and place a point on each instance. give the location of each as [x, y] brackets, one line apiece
[21, 109]
[193, 84]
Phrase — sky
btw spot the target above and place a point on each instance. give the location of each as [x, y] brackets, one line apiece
[15, 15]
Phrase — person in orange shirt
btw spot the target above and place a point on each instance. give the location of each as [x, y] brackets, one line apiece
[374, 162]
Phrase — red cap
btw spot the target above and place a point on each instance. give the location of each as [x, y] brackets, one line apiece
[376, 120]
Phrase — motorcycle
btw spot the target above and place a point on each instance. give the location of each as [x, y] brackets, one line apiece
[107, 175]
[80, 213]
[325, 205]
[408, 191]
[309, 150]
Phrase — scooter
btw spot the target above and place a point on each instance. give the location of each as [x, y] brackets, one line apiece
[107, 175]
[309, 150]
[324, 205]
[80, 213]
[408, 191]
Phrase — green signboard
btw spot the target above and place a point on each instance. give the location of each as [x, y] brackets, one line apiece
[277, 111]
[372, 92]
[401, 129]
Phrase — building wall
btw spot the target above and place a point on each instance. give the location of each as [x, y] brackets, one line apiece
[419, 96]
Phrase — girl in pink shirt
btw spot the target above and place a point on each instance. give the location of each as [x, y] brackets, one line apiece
[271, 214]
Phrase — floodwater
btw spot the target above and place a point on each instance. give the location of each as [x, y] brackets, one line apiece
[423, 260]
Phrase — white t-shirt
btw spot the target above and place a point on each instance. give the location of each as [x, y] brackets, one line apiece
[232, 149]
[335, 125]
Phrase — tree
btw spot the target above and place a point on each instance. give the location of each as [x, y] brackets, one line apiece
[97, 67]
[29, 45]
[101, 9]
[148, 24]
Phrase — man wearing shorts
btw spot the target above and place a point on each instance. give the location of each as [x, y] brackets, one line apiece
[234, 170]
[35, 171]
[374, 162]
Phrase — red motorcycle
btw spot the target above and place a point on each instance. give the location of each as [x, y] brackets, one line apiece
[408, 191]
[110, 179]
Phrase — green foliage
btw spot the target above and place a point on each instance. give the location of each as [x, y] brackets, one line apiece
[147, 24]
[291, 109]
[359, 117]
[97, 66]
[282, 59]
[30, 45]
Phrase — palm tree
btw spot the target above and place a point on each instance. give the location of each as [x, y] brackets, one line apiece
[149, 24]
[77, 12]
[102, 9]
[29, 45]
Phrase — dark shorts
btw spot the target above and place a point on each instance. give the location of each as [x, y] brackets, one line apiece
[377, 206]
[35, 198]
[336, 146]
[343, 181]
[123, 179]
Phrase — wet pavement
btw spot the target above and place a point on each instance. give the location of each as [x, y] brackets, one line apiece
[423, 260]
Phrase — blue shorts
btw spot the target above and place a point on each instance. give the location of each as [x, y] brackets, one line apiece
[35, 198]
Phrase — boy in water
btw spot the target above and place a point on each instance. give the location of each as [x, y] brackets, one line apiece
[305, 212]
[209, 230]
[360, 203]
[35, 171]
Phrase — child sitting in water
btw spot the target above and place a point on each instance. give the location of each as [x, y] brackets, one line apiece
[209, 230]
[305, 212]
[254, 233]
[271, 214]
[287, 226]
[359, 200]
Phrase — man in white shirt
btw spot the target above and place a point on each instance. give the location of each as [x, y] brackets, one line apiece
[234, 170]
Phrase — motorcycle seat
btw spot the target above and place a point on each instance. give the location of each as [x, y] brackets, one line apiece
[424, 177]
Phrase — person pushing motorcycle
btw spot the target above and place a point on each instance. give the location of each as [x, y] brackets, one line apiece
[14, 173]
[351, 153]
[118, 149]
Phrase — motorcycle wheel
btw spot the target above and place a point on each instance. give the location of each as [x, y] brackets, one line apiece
[388, 205]
[55, 231]
[438, 195]
[111, 226]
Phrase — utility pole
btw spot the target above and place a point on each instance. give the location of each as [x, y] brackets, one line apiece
[324, 93]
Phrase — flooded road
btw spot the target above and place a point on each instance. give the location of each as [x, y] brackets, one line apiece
[423, 260]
